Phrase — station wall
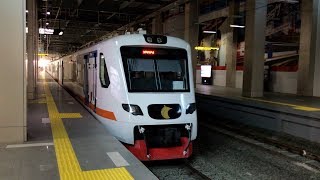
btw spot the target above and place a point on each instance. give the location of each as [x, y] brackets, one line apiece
[281, 82]
[174, 26]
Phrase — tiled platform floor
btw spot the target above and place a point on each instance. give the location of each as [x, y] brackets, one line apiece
[79, 148]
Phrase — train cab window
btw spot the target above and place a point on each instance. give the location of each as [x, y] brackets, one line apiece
[171, 74]
[104, 77]
[142, 74]
[155, 69]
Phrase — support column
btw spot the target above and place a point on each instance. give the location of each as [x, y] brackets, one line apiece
[36, 48]
[13, 91]
[191, 32]
[253, 74]
[231, 44]
[31, 39]
[309, 55]
[157, 25]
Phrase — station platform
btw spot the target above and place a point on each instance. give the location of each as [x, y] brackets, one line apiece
[298, 116]
[66, 142]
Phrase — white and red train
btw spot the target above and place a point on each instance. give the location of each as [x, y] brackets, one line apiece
[140, 87]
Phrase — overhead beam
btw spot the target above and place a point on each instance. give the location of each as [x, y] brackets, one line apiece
[152, 1]
[79, 2]
[126, 4]
[140, 19]
[113, 14]
[100, 2]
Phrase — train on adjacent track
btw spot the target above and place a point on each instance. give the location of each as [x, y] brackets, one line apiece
[140, 87]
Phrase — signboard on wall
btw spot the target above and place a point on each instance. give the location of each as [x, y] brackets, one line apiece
[206, 71]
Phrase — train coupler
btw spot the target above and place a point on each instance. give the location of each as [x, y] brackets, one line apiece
[188, 128]
[142, 131]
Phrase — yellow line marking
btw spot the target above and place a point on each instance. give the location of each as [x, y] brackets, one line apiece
[303, 108]
[68, 164]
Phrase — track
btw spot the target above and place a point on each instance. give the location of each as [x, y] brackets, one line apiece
[196, 173]
[221, 153]
[268, 143]
[176, 169]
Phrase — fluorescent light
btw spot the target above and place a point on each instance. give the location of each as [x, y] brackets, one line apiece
[290, 1]
[60, 33]
[48, 13]
[210, 32]
[43, 54]
[203, 48]
[236, 26]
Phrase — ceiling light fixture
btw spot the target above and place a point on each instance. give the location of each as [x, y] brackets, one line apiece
[210, 32]
[236, 26]
[290, 1]
[203, 48]
[48, 13]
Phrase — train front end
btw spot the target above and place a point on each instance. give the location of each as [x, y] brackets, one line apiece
[160, 103]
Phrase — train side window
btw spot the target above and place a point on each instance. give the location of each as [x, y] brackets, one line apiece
[104, 77]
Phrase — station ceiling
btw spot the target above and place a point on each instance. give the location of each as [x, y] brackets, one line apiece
[83, 21]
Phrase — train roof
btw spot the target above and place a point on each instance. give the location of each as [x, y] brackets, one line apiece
[135, 39]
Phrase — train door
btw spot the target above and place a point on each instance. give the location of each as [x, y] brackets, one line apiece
[74, 72]
[92, 77]
[85, 80]
[62, 72]
[58, 72]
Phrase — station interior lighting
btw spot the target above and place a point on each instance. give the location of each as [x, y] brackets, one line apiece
[210, 32]
[48, 13]
[204, 48]
[43, 54]
[290, 1]
[236, 26]
[47, 23]
[27, 11]
[60, 33]
[43, 62]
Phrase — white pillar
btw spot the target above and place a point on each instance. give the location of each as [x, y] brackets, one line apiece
[13, 91]
[31, 40]
[309, 55]
[253, 74]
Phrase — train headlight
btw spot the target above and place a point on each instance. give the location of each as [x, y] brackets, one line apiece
[155, 39]
[191, 108]
[133, 109]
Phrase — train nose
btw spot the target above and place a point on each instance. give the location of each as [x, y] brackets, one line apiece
[164, 111]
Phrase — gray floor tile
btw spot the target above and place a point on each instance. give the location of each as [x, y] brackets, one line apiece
[89, 138]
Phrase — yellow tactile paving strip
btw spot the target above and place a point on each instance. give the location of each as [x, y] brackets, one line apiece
[69, 167]
[303, 108]
[66, 115]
